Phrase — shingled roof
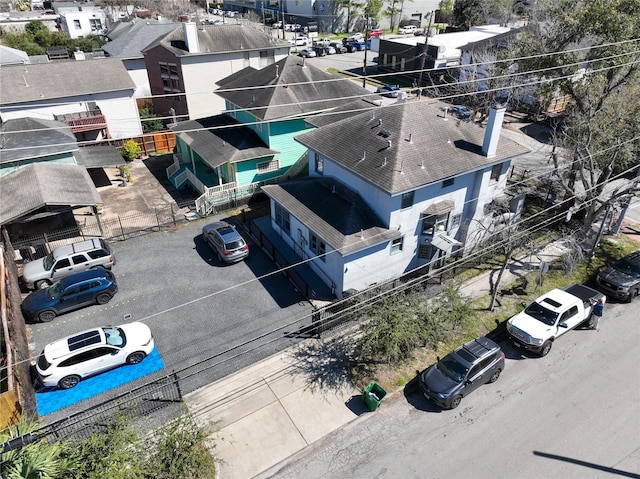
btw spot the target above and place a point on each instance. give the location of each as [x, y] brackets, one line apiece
[215, 39]
[221, 139]
[332, 211]
[289, 88]
[406, 145]
[27, 138]
[135, 36]
[62, 79]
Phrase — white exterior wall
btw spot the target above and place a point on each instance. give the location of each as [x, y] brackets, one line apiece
[200, 74]
[69, 15]
[137, 70]
[120, 111]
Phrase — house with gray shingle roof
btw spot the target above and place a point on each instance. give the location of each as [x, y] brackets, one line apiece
[253, 142]
[185, 64]
[134, 36]
[94, 97]
[391, 190]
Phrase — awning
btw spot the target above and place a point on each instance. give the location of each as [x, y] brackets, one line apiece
[98, 157]
[444, 242]
[439, 208]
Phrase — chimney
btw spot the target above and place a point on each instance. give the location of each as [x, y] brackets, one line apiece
[492, 132]
[191, 36]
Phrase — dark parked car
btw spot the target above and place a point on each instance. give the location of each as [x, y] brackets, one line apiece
[225, 241]
[391, 91]
[96, 286]
[462, 371]
[319, 51]
[622, 279]
[338, 47]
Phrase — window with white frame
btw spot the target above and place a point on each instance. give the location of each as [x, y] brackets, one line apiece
[455, 221]
[317, 245]
[76, 25]
[407, 199]
[434, 223]
[495, 172]
[396, 245]
[319, 163]
[268, 166]
[96, 24]
[283, 220]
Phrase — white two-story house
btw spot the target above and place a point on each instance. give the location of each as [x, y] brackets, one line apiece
[390, 190]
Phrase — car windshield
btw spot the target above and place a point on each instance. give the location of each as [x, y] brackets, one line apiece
[452, 369]
[115, 337]
[53, 291]
[48, 261]
[539, 312]
[627, 268]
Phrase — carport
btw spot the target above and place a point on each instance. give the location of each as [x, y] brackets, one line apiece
[95, 158]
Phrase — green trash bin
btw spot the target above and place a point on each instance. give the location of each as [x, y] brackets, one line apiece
[373, 395]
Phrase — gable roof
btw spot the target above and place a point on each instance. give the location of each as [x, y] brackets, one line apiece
[39, 184]
[26, 138]
[406, 145]
[334, 212]
[62, 79]
[221, 139]
[289, 88]
[217, 39]
[135, 36]
[12, 56]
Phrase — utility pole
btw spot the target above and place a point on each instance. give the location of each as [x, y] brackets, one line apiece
[366, 47]
[424, 53]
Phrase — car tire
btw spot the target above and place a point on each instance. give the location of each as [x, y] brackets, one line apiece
[103, 298]
[69, 382]
[42, 284]
[494, 377]
[632, 295]
[455, 402]
[46, 316]
[135, 358]
[546, 347]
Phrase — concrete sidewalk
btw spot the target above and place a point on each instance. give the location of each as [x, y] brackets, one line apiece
[277, 407]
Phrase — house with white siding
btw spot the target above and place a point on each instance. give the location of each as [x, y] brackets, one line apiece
[94, 97]
[185, 65]
[80, 19]
[392, 189]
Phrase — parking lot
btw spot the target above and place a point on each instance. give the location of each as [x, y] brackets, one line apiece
[196, 307]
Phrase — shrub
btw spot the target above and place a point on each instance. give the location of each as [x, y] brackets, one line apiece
[130, 150]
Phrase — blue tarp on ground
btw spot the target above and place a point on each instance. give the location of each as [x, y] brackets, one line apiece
[54, 400]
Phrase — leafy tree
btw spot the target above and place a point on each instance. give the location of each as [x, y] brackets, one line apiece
[352, 7]
[469, 12]
[373, 9]
[150, 121]
[41, 460]
[392, 11]
[598, 139]
[34, 27]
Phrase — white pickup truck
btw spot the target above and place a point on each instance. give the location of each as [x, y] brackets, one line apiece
[550, 316]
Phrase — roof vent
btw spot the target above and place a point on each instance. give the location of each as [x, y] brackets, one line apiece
[333, 189]
[422, 164]
[388, 143]
[361, 234]
[278, 69]
[446, 110]
[384, 163]
[379, 121]
[410, 140]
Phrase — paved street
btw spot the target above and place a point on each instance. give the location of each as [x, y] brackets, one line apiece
[571, 414]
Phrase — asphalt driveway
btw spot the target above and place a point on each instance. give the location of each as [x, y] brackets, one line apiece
[208, 319]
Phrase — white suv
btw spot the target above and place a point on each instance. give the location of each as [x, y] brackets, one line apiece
[64, 363]
[67, 260]
[407, 29]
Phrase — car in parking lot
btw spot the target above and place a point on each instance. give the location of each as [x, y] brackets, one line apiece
[307, 53]
[299, 41]
[66, 260]
[407, 29]
[67, 361]
[225, 241]
[338, 47]
[391, 91]
[329, 50]
[622, 279]
[376, 32]
[462, 371]
[96, 286]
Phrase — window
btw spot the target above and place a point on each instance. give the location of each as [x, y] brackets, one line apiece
[246, 59]
[63, 263]
[317, 245]
[76, 24]
[455, 221]
[434, 223]
[79, 259]
[319, 164]
[282, 218]
[407, 199]
[99, 253]
[264, 58]
[96, 24]
[170, 79]
[268, 166]
[447, 182]
[396, 245]
[495, 172]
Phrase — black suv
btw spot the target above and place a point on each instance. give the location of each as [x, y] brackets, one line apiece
[622, 279]
[470, 366]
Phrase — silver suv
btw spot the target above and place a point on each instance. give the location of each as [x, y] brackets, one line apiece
[462, 371]
[66, 260]
[225, 241]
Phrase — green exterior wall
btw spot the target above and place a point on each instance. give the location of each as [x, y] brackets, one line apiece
[61, 159]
